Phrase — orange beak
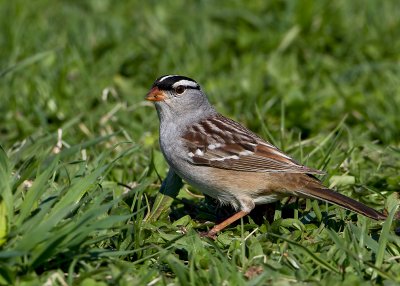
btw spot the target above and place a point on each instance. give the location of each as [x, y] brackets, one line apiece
[155, 95]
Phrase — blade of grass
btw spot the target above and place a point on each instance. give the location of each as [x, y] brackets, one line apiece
[328, 137]
[306, 251]
[26, 62]
[6, 198]
[35, 192]
[67, 203]
[383, 240]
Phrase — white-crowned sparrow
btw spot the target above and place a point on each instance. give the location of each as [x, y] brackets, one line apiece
[225, 160]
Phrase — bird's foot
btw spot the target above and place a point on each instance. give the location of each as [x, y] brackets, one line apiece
[210, 234]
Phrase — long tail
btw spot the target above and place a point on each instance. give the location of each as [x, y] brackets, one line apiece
[318, 191]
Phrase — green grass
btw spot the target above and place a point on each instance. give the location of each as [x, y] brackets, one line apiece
[80, 165]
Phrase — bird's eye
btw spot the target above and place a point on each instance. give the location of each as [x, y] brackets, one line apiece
[180, 89]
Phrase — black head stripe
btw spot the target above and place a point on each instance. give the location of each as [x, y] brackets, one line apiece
[167, 82]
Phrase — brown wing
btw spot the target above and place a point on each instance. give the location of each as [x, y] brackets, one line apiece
[220, 142]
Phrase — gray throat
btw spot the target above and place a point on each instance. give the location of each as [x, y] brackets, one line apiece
[179, 119]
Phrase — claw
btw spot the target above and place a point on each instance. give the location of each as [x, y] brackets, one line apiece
[210, 234]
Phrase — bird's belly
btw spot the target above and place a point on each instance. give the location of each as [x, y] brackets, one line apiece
[227, 188]
[210, 187]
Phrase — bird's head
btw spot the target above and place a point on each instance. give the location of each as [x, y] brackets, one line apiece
[178, 96]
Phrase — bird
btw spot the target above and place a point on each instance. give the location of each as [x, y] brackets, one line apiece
[226, 161]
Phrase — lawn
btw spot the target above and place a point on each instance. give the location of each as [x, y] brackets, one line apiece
[80, 165]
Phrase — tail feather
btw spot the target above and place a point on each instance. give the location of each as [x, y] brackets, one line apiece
[321, 193]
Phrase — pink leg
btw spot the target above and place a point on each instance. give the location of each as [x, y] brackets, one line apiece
[225, 223]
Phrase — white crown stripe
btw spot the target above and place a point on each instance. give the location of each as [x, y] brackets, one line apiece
[165, 77]
[185, 82]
